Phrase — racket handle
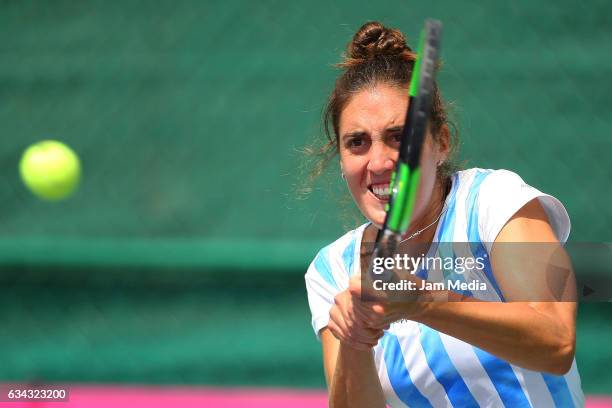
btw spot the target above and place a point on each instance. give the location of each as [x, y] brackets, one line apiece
[385, 247]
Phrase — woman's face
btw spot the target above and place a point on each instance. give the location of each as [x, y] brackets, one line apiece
[370, 128]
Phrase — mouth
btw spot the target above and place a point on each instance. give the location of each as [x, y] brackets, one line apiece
[380, 190]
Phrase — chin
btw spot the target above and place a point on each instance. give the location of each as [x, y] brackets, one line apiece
[373, 209]
[376, 216]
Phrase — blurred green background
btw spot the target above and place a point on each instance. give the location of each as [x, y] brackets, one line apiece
[180, 259]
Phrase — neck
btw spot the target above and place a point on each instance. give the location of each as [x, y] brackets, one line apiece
[428, 221]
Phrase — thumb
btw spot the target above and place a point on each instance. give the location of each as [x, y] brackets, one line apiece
[379, 308]
[355, 286]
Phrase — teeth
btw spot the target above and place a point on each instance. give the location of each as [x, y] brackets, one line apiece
[381, 190]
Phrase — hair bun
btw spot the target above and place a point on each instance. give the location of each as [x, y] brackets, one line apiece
[374, 39]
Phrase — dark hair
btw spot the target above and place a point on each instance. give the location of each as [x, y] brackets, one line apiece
[376, 55]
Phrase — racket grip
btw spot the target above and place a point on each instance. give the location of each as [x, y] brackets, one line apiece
[386, 247]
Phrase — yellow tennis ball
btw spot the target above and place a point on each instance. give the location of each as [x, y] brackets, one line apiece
[50, 169]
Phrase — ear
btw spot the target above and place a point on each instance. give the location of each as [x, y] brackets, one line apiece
[444, 142]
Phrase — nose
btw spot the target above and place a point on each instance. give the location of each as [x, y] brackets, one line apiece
[382, 158]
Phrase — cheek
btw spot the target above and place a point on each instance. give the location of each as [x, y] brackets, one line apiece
[354, 169]
[353, 172]
[425, 190]
[427, 180]
[350, 163]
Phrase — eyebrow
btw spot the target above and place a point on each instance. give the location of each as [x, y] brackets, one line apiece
[394, 129]
[359, 133]
[356, 133]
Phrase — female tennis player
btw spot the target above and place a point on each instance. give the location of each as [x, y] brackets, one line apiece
[489, 349]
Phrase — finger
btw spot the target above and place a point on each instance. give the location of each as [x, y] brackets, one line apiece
[350, 314]
[350, 327]
[364, 313]
[335, 331]
[336, 316]
[378, 308]
[376, 334]
[371, 343]
[346, 329]
[380, 316]
[365, 336]
[371, 320]
[355, 287]
[358, 346]
[374, 343]
[344, 305]
[379, 325]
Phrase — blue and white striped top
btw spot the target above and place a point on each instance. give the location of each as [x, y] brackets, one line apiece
[421, 367]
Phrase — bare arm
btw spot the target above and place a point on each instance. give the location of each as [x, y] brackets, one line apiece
[351, 374]
[537, 335]
[534, 335]
[529, 335]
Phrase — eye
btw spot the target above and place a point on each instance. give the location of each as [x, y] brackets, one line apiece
[356, 143]
[395, 138]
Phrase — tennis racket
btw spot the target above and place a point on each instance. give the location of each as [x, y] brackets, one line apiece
[405, 178]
